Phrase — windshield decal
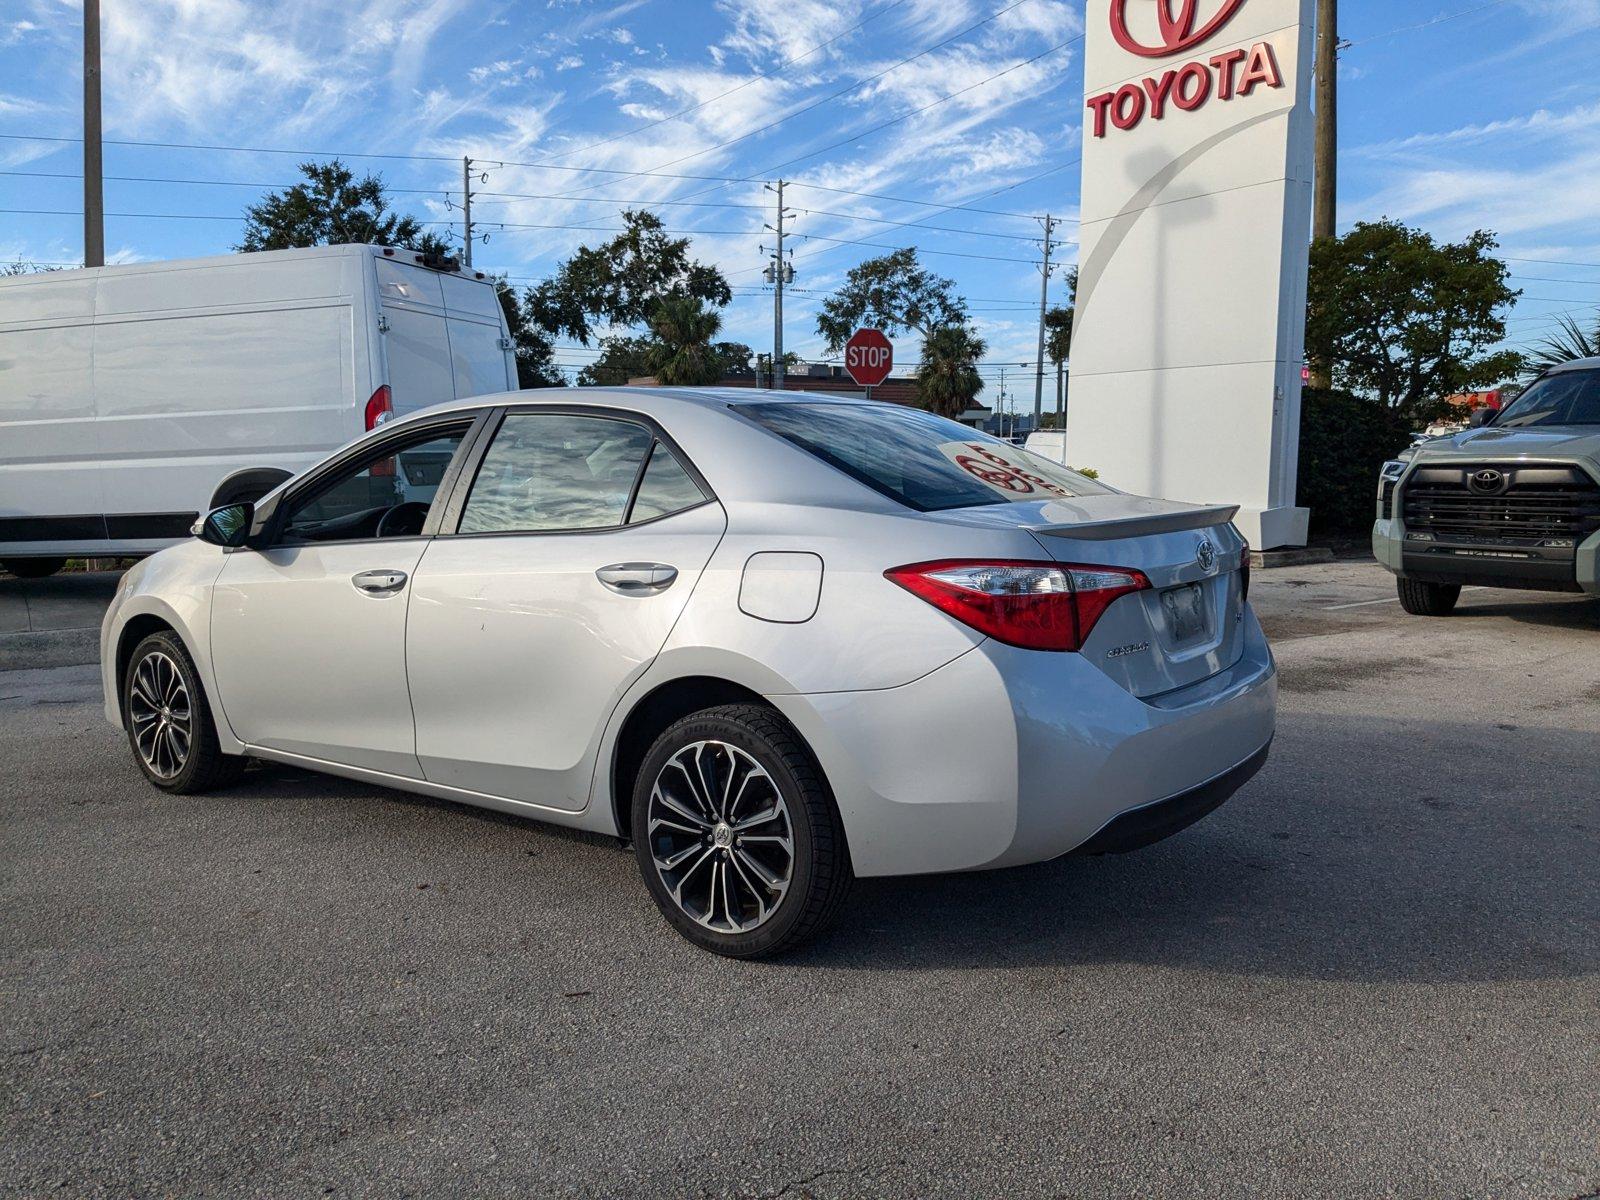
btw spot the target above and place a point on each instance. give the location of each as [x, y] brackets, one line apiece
[1002, 470]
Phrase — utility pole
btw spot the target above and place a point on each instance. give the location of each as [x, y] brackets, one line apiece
[1326, 187]
[1044, 301]
[778, 274]
[94, 217]
[466, 207]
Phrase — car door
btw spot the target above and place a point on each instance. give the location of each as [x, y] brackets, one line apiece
[575, 550]
[308, 632]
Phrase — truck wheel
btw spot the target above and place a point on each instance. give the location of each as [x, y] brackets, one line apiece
[32, 568]
[1427, 599]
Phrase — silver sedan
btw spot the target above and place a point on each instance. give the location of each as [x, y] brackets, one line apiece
[775, 641]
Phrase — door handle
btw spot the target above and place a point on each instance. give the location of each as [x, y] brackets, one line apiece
[637, 578]
[379, 583]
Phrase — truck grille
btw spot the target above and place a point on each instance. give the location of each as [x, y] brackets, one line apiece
[1501, 504]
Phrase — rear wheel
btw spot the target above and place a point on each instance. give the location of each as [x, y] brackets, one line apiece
[1427, 599]
[736, 834]
[32, 568]
[169, 722]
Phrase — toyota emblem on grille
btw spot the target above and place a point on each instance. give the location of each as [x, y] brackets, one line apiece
[1205, 554]
[1488, 481]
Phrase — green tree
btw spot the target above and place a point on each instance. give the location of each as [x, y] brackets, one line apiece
[1568, 342]
[332, 207]
[623, 281]
[1406, 319]
[535, 348]
[734, 358]
[682, 353]
[948, 379]
[892, 292]
[622, 357]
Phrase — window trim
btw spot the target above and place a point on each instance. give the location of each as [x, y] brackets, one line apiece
[268, 527]
[450, 525]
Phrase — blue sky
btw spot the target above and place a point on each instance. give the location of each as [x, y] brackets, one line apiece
[1456, 114]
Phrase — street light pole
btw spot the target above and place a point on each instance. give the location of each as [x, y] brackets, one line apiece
[94, 219]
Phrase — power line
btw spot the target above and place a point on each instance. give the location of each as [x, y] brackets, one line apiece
[855, 86]
[786, 63]
[1467, 12]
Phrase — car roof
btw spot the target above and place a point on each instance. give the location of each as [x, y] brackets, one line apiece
[647, 399]
[1577, 364]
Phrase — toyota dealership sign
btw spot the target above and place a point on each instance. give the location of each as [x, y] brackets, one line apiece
[1172, 29]
[1188, 337]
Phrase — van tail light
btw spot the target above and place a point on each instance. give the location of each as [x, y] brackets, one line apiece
[380, 407]
[1038, 606]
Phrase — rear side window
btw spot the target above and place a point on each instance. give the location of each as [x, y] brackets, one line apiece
[561, 472]
[926, 462]
[666, 488]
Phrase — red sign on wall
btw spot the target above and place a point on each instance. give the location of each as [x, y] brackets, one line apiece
[868, 357]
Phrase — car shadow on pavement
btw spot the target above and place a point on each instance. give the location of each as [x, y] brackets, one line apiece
[1564, 610]
[1361, 852]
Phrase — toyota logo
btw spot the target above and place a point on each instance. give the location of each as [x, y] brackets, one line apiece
[1175, 25]
[1205, 554]
[1488, 481]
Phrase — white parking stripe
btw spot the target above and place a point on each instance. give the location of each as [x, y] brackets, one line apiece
[1390, 600]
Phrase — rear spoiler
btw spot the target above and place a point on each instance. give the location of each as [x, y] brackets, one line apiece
[1142, 524]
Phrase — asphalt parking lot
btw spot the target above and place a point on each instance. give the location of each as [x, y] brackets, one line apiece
[1375, 972]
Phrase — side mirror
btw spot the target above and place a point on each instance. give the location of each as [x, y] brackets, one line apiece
[227, 526]
[1481, 416]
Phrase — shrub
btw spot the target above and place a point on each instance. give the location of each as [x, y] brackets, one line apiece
[1344, 439]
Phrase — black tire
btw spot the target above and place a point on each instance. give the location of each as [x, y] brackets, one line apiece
[819, 877]
[203, 765]
[1427, 599]
[33, 568]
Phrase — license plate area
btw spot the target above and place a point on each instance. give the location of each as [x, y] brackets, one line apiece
[1185, 609]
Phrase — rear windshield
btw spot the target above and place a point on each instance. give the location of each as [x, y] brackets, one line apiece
[925, 462]
[1566, 398]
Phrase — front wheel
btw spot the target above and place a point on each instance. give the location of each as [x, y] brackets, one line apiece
[736, 833]
[1427, 599]
[169, 721]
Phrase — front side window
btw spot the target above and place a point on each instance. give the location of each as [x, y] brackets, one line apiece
[386, 495]
[926, 462]
[562, 472]
[1565, 398]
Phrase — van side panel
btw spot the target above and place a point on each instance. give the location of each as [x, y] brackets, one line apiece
[184, 401]
[50, 496]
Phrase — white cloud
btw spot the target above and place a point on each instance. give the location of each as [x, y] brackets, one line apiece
[571, 62]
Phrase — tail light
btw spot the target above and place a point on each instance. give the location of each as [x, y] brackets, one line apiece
[1038, 606]
[380, 407]
[1244, 573]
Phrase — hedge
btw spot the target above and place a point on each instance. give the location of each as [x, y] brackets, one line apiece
[1344, 439]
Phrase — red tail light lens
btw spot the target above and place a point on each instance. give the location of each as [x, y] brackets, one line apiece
[1038, 606]
[380, 407]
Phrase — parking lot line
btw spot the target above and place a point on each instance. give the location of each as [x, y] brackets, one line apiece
[1385, 600]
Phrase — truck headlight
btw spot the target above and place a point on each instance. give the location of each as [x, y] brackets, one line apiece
[1392, 470]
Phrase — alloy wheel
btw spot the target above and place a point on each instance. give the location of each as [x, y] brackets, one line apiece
[161, 714]
[720, 837]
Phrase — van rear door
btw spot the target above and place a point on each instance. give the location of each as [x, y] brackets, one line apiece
[445, 336]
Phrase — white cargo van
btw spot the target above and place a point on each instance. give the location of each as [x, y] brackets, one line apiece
[134, 398]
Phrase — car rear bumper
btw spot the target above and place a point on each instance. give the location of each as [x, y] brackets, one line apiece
[1008, 756]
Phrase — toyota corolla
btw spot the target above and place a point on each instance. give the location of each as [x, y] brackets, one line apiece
[774, 641]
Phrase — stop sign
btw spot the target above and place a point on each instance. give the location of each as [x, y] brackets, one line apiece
[868, 356]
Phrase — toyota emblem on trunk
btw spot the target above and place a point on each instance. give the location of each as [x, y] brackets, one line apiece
[1205, 554]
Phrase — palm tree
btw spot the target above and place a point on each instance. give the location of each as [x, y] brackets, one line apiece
[1567, 343]
[682, 354]
[948, 379]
